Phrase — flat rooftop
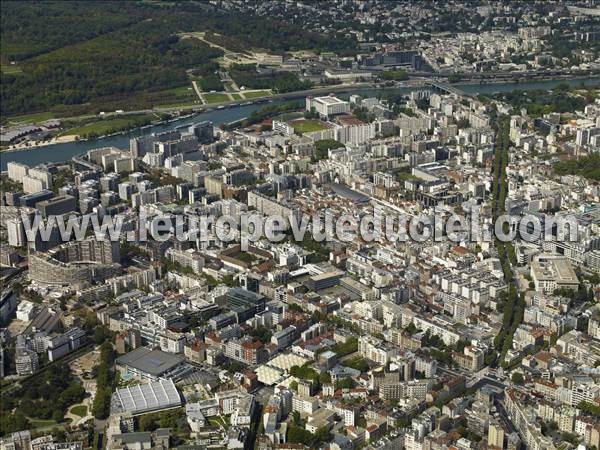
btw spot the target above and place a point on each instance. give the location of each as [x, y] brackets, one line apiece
[329, 100]
[152, 362]
[558, 269]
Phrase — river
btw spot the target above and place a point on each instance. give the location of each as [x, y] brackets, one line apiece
[65, 151]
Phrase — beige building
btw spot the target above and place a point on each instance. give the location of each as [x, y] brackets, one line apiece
[551, 272]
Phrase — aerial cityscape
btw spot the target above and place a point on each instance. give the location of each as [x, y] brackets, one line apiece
[293, 225]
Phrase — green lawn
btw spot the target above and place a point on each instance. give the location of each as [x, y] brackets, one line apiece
[110, 125]
[32, 118]
[306, 126]
[216, 421]
[182, 95]
[215, 97]
[79, 410]
[39, 423]
[236, 96]
[257, 94]
[10, 69]
[245, 257]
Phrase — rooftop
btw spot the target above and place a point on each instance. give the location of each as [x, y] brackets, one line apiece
[329, 100]
[141, 398]
[152, 362]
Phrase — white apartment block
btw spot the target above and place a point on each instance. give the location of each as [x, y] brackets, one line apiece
[437, 326]
[17, 171]
[32, 185]
[594, 327]
[327, 106]
[187, 258]
[346, 412]
[304, 405]
[282, 127]
[16, 232]
[41, 174]
[376, 350]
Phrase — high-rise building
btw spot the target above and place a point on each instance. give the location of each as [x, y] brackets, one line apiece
[204, 131]
[32, 185]
[17, 171]
[16, 232]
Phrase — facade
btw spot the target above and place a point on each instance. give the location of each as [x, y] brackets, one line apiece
[271, 207]
[17, 171]
[187, 258]
[376, 350]
[65, 343]
[56, 206]
[76, 263]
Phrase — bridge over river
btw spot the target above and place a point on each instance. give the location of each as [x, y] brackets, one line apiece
[445, 88]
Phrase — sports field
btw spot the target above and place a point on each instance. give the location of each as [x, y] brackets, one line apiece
[308, 125]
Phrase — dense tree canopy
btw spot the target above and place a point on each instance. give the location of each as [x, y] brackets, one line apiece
[46, 395]
[588, 166]
[76, 57]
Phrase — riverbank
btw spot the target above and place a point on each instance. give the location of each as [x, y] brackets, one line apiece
[366, 87]
[62, 139]
[32, 144]
[235, 111]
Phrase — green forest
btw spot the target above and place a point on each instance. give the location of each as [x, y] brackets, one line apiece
[81, 57]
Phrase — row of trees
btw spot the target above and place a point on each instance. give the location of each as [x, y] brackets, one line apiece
[395, 75]
[514, 304]
[209, 80]
[105, 382]
[173, 419]
[298, 435]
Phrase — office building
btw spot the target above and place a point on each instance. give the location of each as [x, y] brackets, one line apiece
[327, 106]
[551, 272]
[57, 206]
